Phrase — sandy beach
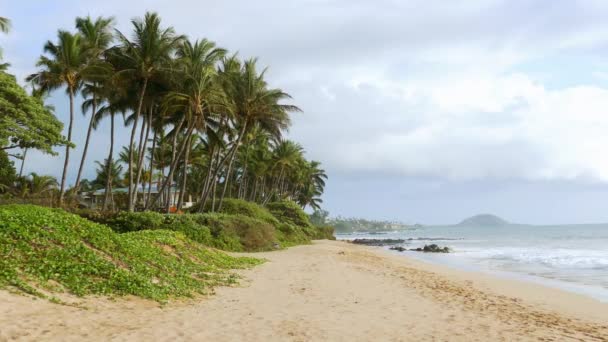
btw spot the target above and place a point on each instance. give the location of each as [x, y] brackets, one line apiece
[329, 291]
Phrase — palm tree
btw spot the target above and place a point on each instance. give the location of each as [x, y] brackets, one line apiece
[252, 102]
[108, 167]
[196, 92]
[5, 24]
[41, 185]
[35, 185]
[66, 66]
[311, 185]
[97, 36]
[144, 57]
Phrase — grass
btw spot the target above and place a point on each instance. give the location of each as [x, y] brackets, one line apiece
[49, 249]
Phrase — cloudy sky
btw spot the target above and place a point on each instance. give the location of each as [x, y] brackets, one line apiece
[420, 110]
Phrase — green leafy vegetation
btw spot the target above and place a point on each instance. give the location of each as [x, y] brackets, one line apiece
[241, 226]
[24, 121]
[49, 249]
[206, 132]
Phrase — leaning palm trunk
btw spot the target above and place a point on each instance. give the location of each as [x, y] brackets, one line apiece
[254, 190]
[229, 171]
[67, 148]
[173, 165]
[180, 200]
[132, 140]
[108, 193]
[86, 143]
[205, 192]
[141, 154]
[151, 168]
[244, 179]
[214, 190]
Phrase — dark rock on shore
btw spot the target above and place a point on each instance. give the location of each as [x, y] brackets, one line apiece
[398, 248]
[377, 242]
[432, 249]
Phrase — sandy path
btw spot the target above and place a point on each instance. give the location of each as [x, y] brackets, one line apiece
[329, 291]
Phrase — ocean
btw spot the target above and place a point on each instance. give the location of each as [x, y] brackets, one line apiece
[572, 257]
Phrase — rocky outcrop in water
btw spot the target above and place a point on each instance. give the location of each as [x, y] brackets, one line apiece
[378, 242]
[432, 249]
[427, 249]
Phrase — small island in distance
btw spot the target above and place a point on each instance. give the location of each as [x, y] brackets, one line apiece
[484, 220]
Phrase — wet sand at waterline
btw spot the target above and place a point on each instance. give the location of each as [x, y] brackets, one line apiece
[329, 291]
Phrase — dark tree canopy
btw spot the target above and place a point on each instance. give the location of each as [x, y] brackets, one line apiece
[8, 174]
[24, 121]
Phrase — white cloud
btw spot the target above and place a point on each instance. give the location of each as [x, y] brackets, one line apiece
[422, 88]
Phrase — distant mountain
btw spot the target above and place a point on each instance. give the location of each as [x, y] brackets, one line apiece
[484, 220]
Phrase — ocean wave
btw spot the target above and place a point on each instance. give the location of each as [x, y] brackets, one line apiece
[554, 258]
[433, 239]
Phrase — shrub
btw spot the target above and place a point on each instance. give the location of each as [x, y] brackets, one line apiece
[289, 212]
[235, 206]
[290, 235]
[50, 249]
[94, 215]
[253, 234]
[324, 233]
[188, 225]
[126, 221]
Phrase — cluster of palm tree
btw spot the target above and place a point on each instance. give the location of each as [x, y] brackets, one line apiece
[35, 186]
[202, 122]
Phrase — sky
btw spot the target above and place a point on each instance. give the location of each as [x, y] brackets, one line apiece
[420, 111]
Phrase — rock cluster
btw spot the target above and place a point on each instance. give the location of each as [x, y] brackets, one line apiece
[378, 242]
[427, 249]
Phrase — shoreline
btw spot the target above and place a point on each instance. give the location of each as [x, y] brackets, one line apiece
[330, 290]
[517, 262]
[590, 291]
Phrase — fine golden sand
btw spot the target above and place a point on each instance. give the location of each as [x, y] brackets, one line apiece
[330, 291]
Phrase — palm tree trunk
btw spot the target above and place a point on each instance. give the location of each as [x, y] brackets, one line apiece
[173, 164]
[22, 162]
[67, 148]
[142, 153]
[254, 190]
[185, 175]
[132, 140]
[205, 192]
[86, 143]
[151, 168]
[214, 191]
[229, 171]
[108, 167]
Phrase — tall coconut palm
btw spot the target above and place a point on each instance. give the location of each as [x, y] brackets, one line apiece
[196, 91]
[252, 102]
[114, 95]
[66, 66]
[311, 185]
[97, 37]
[144, 57]
[287, 154]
